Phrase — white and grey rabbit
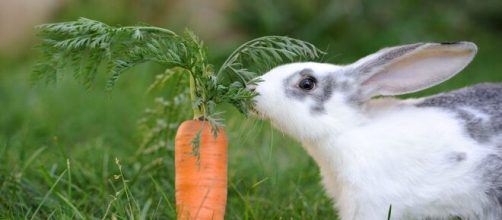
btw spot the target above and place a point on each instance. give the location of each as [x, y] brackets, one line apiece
[430, 158]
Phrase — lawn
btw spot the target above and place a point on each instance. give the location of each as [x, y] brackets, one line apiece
[67, 152]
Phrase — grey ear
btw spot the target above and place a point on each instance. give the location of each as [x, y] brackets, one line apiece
[410, 68]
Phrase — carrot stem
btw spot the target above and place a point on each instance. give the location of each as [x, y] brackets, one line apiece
[197, 113]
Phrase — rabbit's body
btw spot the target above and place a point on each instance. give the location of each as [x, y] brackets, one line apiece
[430, 158]
[444, 173]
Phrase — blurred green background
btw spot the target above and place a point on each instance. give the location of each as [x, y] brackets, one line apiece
[59, 144]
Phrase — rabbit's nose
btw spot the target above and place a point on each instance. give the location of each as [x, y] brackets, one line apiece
[251, 87]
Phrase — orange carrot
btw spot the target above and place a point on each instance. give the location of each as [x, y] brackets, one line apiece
[201, 180]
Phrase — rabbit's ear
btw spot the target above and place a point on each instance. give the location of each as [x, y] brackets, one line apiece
[410, 68]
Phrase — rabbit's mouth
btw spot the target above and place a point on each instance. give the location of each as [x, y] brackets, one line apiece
[256, 113]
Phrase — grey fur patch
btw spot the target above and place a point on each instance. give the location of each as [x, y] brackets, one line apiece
[475, 126]
[320, 94]
[345, 86]
[457, 157]
[293, 92]
[485, 98]
[492, 175]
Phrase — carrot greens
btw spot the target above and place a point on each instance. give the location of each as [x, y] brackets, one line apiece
[82, 46]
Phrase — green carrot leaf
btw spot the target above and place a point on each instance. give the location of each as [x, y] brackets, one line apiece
[83, 46]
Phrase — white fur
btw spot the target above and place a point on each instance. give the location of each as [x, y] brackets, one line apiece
[381, 152]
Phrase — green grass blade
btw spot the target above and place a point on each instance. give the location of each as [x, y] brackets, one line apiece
[46, 196]
[32, 158]
[390, 212]
[70, 204]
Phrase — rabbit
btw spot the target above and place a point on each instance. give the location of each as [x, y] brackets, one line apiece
[436, 157]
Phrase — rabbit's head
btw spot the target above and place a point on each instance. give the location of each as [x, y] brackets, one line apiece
[312, 100]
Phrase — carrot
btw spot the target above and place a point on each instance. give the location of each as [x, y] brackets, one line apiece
[201, 180]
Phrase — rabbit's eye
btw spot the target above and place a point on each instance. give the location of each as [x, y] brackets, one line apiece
[307, 83]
